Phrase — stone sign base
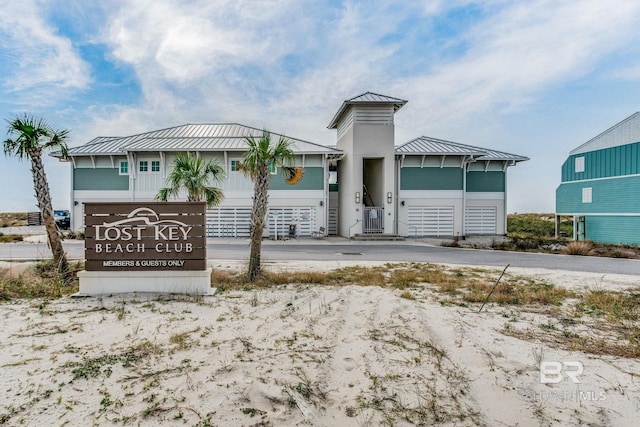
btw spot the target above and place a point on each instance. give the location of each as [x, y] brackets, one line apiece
[166, 281]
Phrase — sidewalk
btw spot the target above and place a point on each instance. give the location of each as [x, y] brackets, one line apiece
[31, 229]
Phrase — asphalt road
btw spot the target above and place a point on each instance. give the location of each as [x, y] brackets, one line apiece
[341, 249]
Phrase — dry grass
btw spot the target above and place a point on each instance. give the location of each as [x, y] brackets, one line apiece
[609, 317]
[13, 219]
[517, 291]
[9, 238]
[38, 281]
[612, 305]
[579, 248]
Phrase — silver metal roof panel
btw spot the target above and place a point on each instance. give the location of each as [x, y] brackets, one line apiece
[366, 98]
[439, 147]
[194, 137]
[622, 133]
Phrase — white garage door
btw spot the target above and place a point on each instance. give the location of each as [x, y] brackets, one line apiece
[236, 222]
[279, 220]
[229, 222]
[431, 221]
[481, 220]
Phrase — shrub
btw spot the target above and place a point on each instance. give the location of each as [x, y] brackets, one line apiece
[579, 248]
[538, 224]
[8, 238]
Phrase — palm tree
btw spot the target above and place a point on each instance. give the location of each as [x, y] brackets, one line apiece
[194, 174]
[261, 156]
[32, 136]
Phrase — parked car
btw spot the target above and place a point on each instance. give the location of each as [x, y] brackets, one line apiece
[63, 219]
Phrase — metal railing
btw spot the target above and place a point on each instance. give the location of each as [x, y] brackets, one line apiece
[373, 218]
[409, 227]
[357, 222]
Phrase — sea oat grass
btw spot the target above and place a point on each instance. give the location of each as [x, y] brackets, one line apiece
[38, 281]
[579, 248]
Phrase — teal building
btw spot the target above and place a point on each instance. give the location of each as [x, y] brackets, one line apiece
[600, 185]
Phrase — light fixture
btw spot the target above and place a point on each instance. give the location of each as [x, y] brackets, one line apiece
[357, 197]
[389, 197]
[321, 203]
[402, 203]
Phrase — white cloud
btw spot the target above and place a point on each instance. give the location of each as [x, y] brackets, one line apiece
[526, 48]
[39, 57]
[216, 61]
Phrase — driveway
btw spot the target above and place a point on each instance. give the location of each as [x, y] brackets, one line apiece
[336, 248]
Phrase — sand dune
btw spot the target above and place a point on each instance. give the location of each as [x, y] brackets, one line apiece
[297, 355]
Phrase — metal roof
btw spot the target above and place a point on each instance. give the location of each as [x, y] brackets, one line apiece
[190, 137]
[625, 132]
[439, 147]
[366, 98]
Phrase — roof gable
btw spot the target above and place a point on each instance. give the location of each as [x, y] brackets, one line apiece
[625, 132]
[366, 98]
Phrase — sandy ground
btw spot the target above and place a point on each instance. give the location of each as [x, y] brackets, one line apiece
[300, 356]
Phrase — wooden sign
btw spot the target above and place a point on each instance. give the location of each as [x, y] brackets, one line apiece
[145, 236]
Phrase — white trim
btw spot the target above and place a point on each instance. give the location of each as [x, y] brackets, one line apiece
[163, 164]
[442, 159]
[485, 196]
[113, 165]
[93, 161]
[587, 195]
[599, 214]
[120, 167]
[149, 161]
[578, 164]
[635, 175]
[431, 194]
[229, 165]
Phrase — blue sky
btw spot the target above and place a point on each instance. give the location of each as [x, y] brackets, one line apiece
[535, 78]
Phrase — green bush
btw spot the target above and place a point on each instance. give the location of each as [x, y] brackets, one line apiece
[538, 224]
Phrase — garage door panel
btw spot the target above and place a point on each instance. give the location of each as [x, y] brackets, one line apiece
[431, 220]
[481, 220]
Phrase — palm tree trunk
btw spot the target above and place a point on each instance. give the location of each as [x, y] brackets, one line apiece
[43, 196]
[258, 214]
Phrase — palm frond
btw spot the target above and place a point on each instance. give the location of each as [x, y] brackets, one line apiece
[193, 174]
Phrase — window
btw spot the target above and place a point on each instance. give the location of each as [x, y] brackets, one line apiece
[149, 166]
[579, 164]
[234, 165]
[124, 167]
[587, 195]
[272, 169]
